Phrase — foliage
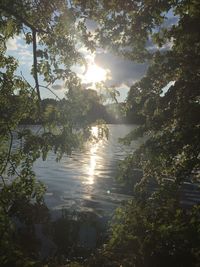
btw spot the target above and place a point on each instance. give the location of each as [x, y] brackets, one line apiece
[157, 232]
[155, 229]
[53, 30]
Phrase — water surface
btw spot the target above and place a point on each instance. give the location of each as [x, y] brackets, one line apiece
[85, 181]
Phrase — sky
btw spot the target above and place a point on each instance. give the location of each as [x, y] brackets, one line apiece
[102, 66]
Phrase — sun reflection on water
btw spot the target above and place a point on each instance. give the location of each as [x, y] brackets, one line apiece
[95, 131]
[92, 164]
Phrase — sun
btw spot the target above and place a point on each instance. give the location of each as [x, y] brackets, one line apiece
[95, 74]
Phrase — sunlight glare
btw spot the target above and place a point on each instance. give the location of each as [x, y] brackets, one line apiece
[95, 74]
[94, 131]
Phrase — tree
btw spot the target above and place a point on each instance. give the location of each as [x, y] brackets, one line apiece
[53, 30]
[156, 228]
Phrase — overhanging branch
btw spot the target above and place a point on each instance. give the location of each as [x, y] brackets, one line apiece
[35, 72]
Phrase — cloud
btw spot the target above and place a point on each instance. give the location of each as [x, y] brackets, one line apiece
[170, 21]
[151, 47]
[168, 45]
[123, 72]
[25, 57]
[123, 89]
[166, 88]
[57, 87]
[17, 48]
[25, 52]
[91, 25]
[12, 44]
[15, 43]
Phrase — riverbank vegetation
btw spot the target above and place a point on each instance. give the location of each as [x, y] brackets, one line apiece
[157, 227]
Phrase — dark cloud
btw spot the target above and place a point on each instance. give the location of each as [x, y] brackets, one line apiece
[57, 87]
[122, 71]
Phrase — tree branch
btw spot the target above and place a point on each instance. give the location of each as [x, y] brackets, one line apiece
[35, 72]
[51, 91]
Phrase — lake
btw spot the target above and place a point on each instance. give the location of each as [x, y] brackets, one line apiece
[82, 194]
[85, 181]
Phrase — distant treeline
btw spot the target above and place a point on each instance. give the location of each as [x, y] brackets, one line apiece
[114, 113]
